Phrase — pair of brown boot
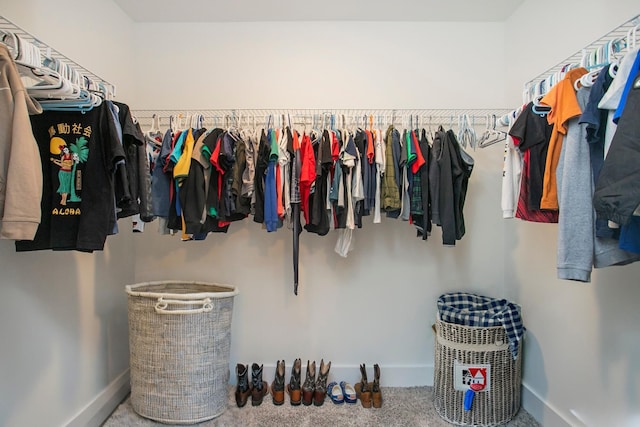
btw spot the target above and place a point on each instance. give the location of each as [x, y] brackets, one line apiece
[311, 391]
[369, 392]
[256, 387]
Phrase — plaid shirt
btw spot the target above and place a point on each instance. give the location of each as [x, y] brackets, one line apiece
[474, 310]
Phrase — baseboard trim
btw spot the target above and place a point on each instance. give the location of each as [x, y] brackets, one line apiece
[544, 412]
[99, 409]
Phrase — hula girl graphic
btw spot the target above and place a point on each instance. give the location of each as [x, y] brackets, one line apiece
[68, 159]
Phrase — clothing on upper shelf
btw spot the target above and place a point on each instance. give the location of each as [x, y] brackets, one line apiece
[579, 250]
[133, 188]
[511, 174]
[564, 106]
[530, 133]
[95, 169]
[596, 128]
[617, 193]
[613, 96]
[596, 181]
[79, 154]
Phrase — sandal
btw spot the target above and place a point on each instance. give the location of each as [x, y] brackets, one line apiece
[348, 392]
[334, 391]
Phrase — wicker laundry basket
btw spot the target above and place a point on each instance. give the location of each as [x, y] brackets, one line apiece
[458, 349]
[179, 343]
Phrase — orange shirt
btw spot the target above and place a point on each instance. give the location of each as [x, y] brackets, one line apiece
[564, 106]
[370, 149]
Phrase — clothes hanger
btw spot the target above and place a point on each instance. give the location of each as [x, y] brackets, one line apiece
[61, 87]
[539, 108]
[57, 79]
[26, 53]
[80, 98]
[155, 123]
[631, 38]
[29, 63]
[466, 132]
[487, 131]
[9, 40]
[495, 135]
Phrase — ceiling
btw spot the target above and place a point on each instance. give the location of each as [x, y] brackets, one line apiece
[324, 10]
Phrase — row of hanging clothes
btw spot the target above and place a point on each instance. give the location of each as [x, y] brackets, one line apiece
[68, 152]
[308, 176]
[573, 158]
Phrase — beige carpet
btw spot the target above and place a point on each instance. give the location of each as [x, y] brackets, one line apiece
[402, 407]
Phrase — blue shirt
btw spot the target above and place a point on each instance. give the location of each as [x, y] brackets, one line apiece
[635, 69]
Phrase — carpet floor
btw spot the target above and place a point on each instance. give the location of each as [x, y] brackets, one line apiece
[402, 407]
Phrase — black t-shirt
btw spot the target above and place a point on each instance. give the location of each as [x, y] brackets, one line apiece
[78, 152]
[534, 132]
[317, 200]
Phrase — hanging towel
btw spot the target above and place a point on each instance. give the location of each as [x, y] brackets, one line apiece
[468, 309]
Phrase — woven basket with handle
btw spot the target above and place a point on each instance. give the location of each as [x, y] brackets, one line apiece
[179, 345]
[476, 346]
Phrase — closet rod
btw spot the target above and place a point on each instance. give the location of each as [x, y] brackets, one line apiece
[427, 116]
[8, 26]
[619, 33]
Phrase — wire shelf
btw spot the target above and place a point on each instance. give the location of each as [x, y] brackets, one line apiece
[9, 27]
[322, 116]
[617, 40]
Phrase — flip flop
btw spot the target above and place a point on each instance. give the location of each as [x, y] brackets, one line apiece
[334, 391]
[348, 392]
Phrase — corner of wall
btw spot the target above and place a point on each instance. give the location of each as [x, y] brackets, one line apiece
[98, 410]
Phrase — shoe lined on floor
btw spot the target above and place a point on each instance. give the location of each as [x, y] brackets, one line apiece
[260, 387]
[309, 384]
[363, 390]
[376, 394]
[348, 392]
[293, 388]
[243, 389]
[334, 391]
[320, 390]
[277, 386]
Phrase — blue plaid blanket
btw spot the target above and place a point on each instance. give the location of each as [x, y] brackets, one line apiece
[475, 310]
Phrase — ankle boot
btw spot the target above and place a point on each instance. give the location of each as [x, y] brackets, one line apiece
[309, 384]
[376, 394]
[363, 391]
[320, 390]
[294, 390]
[243, 389]
[260, 387]
[277, 386]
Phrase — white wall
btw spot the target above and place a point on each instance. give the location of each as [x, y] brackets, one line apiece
[63, 317]
[63, 322]
[319, 65]
[376, 306]
[582, 347]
